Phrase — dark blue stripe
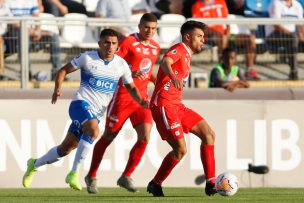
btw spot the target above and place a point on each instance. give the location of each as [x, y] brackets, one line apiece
[87, 138]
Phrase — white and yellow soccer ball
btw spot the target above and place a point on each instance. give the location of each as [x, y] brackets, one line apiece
[226, 184]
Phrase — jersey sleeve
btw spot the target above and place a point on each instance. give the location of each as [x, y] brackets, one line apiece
[300, 11]
[101, 8]
[123, 48]
[225, 11]
[274, 10]
[173, 54]
[126, 74]
[78, 61]
[34, 6]
[195, 10]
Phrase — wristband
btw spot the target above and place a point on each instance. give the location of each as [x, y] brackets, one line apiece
[172, 76]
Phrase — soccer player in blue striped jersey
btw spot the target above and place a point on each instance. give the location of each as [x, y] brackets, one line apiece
[100, 73]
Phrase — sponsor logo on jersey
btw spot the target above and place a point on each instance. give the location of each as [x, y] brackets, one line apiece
[175, 125]
[145, 65]
[113, 118]
[167, 85]
[102, 84]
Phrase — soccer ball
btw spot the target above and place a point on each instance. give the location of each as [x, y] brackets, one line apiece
[226, 184]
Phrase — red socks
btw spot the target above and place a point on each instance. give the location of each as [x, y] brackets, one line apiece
[135, 156]
[165, 169]
[99, 150]
[207, 157]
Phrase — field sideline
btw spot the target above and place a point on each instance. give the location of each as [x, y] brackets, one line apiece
[192, 195]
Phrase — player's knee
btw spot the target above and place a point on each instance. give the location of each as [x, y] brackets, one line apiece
[93, 133]
[180, 152]
[110, 136]
[210, 137]
[144, 138]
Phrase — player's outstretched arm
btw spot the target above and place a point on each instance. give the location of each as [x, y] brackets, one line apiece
[133, 91]
[68, 68]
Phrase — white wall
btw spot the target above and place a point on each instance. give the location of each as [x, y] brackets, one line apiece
[259, 132]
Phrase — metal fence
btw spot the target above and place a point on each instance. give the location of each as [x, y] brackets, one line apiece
[64, 37]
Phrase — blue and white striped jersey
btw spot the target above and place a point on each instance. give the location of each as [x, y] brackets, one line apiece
[23, 7]
[99, 79]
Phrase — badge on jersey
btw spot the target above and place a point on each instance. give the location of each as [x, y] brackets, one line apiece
[173, 51]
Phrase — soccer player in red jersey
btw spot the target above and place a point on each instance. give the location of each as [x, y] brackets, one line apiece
[141, 52]
[172, 118]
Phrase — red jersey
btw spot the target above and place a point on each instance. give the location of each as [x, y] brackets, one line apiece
[218, 9]
[139, 56]
[165, 92]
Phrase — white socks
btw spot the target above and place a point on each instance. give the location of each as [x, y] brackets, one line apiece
[83, 149]
[50, 157]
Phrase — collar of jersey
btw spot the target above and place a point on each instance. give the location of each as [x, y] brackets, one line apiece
[136, 35]
[186, 48]
[105, 62]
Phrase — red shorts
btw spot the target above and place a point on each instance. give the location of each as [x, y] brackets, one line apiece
[119, 112]
[172, 121]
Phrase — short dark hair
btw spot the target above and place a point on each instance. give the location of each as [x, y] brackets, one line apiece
[191, 25]
[148, 17]
[108, 32]
[227, 51]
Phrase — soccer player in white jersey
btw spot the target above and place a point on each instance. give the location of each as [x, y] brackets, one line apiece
[100, 73]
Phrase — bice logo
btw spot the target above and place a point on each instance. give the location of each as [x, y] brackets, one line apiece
[145, 65]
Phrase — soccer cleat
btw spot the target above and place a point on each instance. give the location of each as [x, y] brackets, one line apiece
[29, 174]
[91, 183]
[73, 180]
[251, 74]
[155, 189]
[127, 183]
[210, 189]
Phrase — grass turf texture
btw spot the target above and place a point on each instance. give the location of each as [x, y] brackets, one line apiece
[268, 195]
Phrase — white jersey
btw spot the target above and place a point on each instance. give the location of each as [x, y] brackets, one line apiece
[279, 9]
[99, 79]
[23, 7]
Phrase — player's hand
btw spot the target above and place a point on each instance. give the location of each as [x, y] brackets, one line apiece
[139, 74]
[56, 94]
[144, 103]
[177, 83]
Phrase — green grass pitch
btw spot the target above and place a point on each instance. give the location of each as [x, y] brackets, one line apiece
[284, 195]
